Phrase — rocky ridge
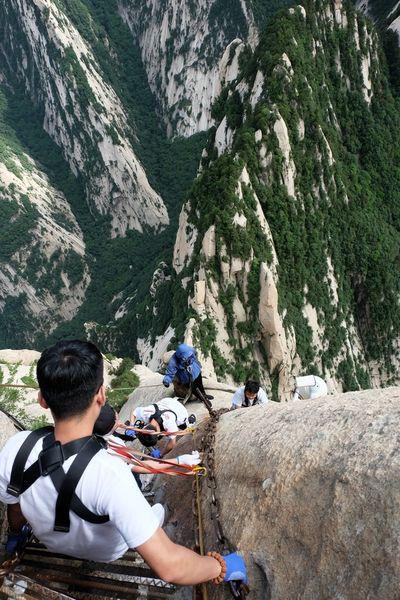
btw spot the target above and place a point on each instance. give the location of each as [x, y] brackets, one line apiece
[57, 249]
[82, 113]
[189, 52]
[315, 484]
[239, 313]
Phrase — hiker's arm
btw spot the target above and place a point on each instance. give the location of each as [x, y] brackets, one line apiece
[177, 564]
[237, 399]
[152, 464]
[170, 371]
[16, 519]
[184, 459]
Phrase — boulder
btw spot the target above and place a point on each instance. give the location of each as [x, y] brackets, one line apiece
[7, 429]
[23, 357]
[310, 493]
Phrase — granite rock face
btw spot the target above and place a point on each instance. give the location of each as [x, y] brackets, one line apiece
[310, 493]
[7, 429]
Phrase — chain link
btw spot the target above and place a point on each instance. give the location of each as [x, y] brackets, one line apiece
[207, 448]
[9, 565]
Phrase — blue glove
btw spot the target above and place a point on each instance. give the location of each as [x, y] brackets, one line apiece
[155, 453]
[235, 568]
[165, 382]
[131, 433]
[16, 541]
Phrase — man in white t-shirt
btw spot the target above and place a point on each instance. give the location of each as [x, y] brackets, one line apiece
[166, 415]
[77, 498]
[249, 394]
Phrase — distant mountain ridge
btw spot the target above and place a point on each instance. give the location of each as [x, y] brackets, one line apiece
[282, 249]
[278, 261]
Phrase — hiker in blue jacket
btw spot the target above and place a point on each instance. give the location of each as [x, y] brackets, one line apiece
[186, 369]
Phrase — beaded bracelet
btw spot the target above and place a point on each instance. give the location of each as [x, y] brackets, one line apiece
[222, 562]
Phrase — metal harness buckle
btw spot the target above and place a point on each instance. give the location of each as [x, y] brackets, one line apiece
[50, 459]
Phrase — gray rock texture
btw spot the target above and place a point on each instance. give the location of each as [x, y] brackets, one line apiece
[7, 429]
[310, 493]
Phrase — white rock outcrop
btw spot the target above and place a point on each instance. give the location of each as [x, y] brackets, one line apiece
[75, 97]
[55, 237]
[185, 240]
[289, 171]
[186, 56]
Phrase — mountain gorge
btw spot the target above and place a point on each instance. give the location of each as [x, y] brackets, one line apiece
[279, 258]
[294, 267]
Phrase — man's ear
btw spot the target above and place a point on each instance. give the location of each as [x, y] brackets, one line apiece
[42, 401]
[100, 397]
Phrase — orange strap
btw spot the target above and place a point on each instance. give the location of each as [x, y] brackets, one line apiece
[175, 469]
[147, 432]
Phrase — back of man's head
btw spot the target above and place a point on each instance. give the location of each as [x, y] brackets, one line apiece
[252, 386]
[69, 374]
[105, 421]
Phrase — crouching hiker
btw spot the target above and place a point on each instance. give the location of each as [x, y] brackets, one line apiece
[185, 367]
[249, 394]
[168, 415]
[77, 498]
[107, 425]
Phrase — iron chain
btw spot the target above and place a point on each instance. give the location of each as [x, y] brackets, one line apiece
[207, 448]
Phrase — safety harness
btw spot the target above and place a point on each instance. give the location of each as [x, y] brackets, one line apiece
[246, 403]
[157, 416]
[49, 463]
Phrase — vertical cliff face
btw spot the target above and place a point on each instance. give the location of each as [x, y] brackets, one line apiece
[43, 50]
[283, 245]
[75, 197]
[385, 14]
[188, 49]
[43, 262]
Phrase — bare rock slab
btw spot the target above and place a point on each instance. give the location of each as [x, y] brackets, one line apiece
[310, 493]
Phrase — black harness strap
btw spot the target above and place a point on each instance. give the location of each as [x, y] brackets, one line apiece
[71, 480]
[50, 458]
[50, 462]
[246, 403]
[15, 487]
[57, 477]
[158, 416]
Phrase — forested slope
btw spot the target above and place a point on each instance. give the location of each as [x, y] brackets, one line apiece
[288, 247]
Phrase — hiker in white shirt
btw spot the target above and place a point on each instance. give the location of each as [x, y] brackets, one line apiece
[249, 394]
[168, 415]
[107, 426]
[98, 512]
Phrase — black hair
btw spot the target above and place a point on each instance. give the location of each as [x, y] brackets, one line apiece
[105, 421]
[252, 386]
[147, 440]
[69, 374]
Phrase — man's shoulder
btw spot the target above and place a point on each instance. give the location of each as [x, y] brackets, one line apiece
[174, 404]
[240, 390]
[106, 468]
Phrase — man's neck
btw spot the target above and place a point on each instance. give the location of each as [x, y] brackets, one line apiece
[68, 430]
